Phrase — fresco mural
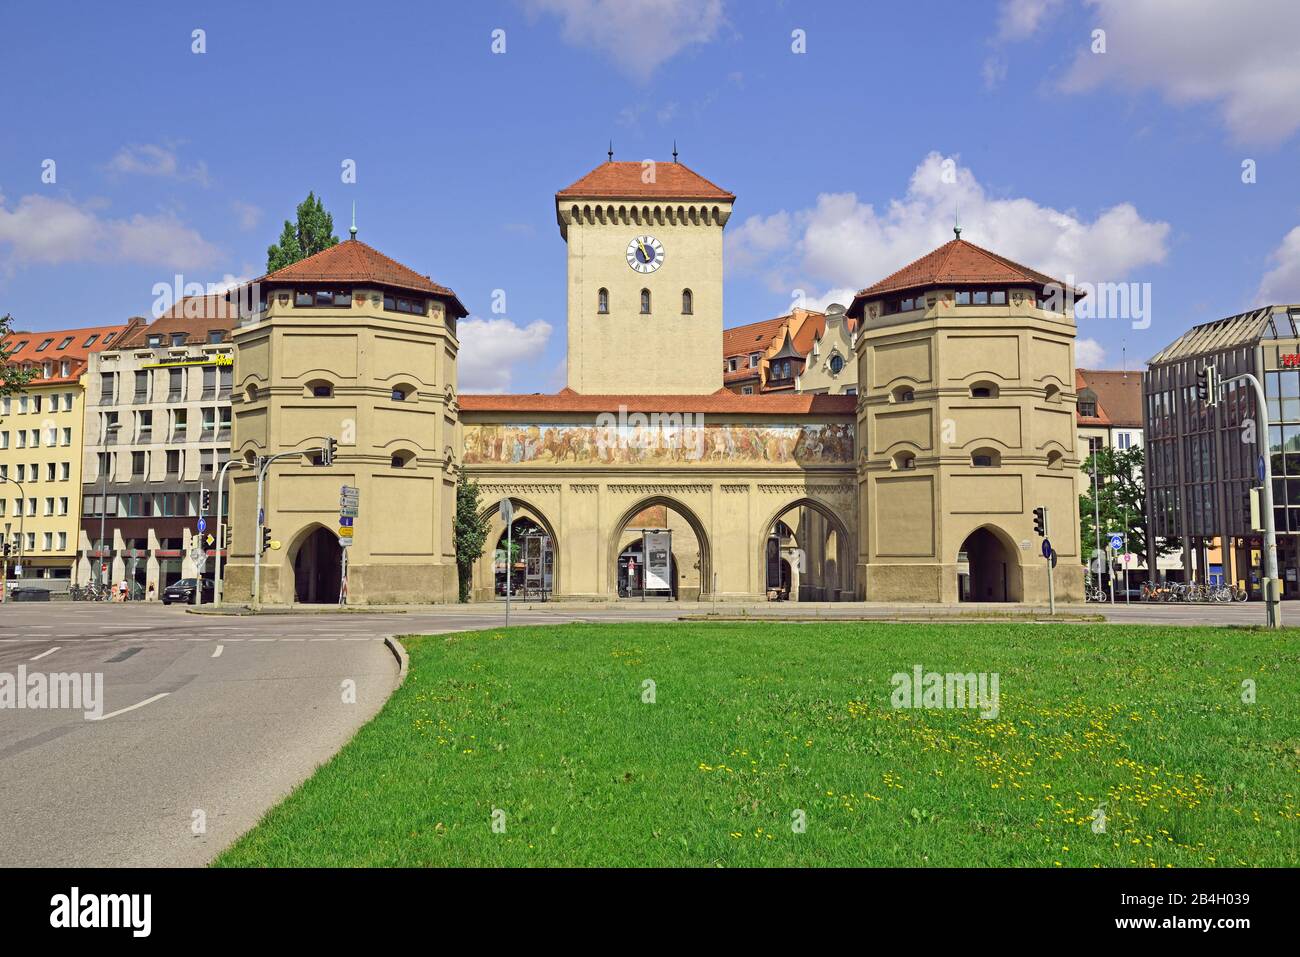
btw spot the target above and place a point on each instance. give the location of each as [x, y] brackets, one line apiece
[658, 444]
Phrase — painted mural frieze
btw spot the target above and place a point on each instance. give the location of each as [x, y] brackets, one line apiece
[658, 443]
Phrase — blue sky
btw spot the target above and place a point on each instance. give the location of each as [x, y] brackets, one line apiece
[848, 159]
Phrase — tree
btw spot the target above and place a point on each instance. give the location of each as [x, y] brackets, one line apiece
[12, 376]
[314, 231]
[1121, 503]
[469, 532]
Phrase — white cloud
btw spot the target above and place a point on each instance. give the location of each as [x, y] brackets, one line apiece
[40, 229]
[247, 215]
[638, 35]
[1018, 19]
[490, 348]
[1089, 354]
[1281, 284]
[149, 159]
[843, 242]
[1240, 55]
[994, 72]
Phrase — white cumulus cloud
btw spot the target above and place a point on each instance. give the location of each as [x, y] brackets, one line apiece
[1018, 19]
[638, 35]
[843, 242]
[491, 348]
[46, 230]
[1243, 56]
[1089, 354]
[149, 159]
[1281, 284]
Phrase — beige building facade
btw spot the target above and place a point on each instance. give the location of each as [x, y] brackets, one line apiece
[352, 346]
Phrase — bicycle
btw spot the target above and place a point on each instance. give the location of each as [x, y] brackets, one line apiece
[1092, 593]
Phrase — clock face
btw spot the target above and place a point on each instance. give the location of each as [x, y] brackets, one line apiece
[645, 254]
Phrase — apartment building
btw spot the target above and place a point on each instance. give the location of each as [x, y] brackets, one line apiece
[40, 449]
[157, 429]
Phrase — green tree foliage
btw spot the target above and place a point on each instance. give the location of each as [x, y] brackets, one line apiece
[12, 376]
[1122, 496]
[313, 232]
[470, 533]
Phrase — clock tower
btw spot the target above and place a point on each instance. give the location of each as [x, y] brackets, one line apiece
[644, 279]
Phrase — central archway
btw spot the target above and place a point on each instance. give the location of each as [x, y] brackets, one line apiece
[993, 567]
[486, 582]
[615, 547]
[816, 539]
[317, 567]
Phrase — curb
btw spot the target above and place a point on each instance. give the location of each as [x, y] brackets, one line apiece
[403, 660]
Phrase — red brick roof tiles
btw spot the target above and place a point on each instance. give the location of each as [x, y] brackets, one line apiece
[625, 180]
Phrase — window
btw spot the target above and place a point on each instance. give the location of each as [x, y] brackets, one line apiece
[984, 390]
[178, 339]
[1050, 393]
[180, 422]
[225, 375]
[63, 505]
[175, 384]
[47, 540]
[403, 392]
[985, 459]
[1124, 440]
[962, 298]
[141, 386]
[44, 345]
[65, 471]
[207, 457]
[747, 390]
[1088, 408]
[998, 297]
[836, 363]
[209, 423]
[215, 336]
[645, 302]
[980, 297]
[688, 303]
[49, 506]
[19, 348]
[732, 364]
[137, 463]
[64, 344]
[63, 541]
[323, 298]
[402, 459]
[416, 307]
[1055, 460]
[109, 338]
[753, 360]
[602, 301]
[145, 427]
[90, 341]
[904, 461]
[4, 440]
[904, 393]
[320, 389]
[173, 461]
[209, 382]
[65, 368]
[155, 341]
[49, 471]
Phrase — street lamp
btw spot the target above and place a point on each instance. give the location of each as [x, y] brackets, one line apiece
[109, 428]
[22, 526]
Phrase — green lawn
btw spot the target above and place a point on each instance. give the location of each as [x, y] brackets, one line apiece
[755, 721]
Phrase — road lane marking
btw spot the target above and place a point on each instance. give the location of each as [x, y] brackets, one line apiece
[216, 652]
[44, 653]
[140, 704]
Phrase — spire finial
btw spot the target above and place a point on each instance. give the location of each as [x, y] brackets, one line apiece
[611, 151]
[352, 230]
[956, 219]
[674, 149]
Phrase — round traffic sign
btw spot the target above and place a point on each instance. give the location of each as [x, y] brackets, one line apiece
[1047, 548]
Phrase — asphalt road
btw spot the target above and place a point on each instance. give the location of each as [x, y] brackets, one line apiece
[216, 718]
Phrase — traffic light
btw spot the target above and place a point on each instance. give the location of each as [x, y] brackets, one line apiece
[1256, 509]
[1207, 385]
[227, 536]
[331, 449]
[1040, 521]
[7, 548]
[266, 538]
[205, 499]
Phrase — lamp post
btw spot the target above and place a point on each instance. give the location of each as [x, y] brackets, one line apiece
[22, 526]
[103, 499]
[263, 464]
[221, 526]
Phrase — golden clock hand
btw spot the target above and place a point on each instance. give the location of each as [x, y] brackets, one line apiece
[645, 255]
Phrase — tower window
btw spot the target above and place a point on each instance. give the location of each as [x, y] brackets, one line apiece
[645, 302]
[602, 302]
[985, 459]
[837, 363]
[904, 394]
[984, 390]
[688, 303]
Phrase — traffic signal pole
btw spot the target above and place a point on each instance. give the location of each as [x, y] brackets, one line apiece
[221, 527]
[264, 462]
[1272, 587]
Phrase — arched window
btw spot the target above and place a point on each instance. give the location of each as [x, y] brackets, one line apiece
[985, 459]
[602, 301]
[403, 392]
[1055, 460]
[688, 303]
[984, 390]
[904, 461]
[402, 459]
[645, 302]
[903, 393]
[319, 389]
[1050, 393]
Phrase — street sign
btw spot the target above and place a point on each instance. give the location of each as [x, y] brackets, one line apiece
[210, 540]
[345, 521]
[345, 542]
[345, 533]
[1053, 557]
[507, 509]
[261, 516]
[1116, 542]
[1047, 548]
[1260, 468]
[203, 525]
[349, 511]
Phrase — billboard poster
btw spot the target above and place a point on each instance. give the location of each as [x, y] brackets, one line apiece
[658, 561]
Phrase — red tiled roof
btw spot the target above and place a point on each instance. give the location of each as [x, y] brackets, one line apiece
[76, 352]
[623, 179]
[721, 402]
[353, 261]
[957, 262]
[753, 337]
[194, 316]
[1119, 397]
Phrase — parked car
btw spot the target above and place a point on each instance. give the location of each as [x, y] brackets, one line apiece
[183, 591]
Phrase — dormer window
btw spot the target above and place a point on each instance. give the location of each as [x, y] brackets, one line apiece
[602, 302]
[753, 360]
[178, 339]
[155, 341]
[732, 364]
